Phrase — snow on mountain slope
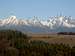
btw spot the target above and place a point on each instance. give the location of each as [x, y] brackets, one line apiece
[33, 24]
[10, 20]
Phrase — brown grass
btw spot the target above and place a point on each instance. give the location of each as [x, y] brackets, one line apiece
[65, 39]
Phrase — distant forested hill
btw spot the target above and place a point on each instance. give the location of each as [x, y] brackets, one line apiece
[66, 33]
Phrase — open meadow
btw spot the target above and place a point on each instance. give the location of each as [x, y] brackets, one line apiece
[54, 38]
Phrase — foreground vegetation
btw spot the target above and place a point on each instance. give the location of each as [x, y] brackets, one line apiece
[15, 43]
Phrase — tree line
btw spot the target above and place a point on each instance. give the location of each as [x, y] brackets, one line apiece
[66, 33]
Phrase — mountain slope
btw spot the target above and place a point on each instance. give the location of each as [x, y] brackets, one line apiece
[53, 24]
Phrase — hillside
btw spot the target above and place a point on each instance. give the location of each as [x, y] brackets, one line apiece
[15, 43]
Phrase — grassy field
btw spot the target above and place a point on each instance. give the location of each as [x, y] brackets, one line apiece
[65, 39]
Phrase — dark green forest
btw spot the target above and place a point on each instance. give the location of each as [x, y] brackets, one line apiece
[15, 43]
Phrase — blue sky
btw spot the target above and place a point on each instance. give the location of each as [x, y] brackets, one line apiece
[30, 8]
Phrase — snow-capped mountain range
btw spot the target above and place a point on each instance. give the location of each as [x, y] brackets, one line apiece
[52, 24]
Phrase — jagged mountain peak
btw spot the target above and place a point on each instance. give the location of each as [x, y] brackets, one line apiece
[10, 20]
[12, 17]
[56, 22]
